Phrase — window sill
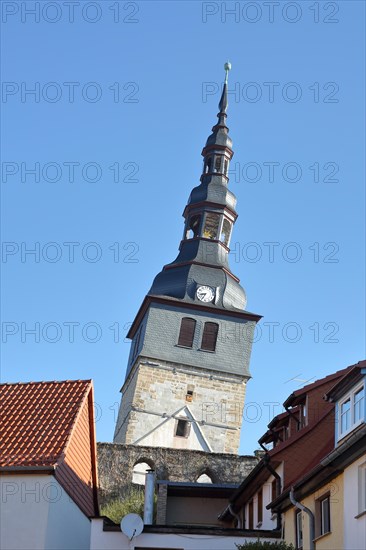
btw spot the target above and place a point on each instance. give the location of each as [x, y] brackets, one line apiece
[184, 347]
[322, 536]
[360, 514]
[206, 350]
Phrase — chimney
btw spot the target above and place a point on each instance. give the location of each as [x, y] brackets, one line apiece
[149, 497]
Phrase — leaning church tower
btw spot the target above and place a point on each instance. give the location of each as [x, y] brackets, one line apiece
[192, 337]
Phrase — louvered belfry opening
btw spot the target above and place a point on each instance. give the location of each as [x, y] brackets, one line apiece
[186, 333]
[209, 337]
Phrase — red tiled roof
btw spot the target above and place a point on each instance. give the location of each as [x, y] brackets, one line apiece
[36, 420]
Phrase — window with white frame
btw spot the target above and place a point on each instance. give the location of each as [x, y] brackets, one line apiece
[351, 410]
[322, 515]
[299, 537]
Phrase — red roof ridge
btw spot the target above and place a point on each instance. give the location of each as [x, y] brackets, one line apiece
[44, 382]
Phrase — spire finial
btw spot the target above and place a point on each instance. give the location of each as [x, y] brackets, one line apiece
[223, 100]
[227, 68]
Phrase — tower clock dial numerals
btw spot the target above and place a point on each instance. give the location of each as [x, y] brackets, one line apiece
[205, 293]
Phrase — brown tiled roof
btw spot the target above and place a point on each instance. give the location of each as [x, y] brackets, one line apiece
[296, 397]
[350, 377]
[36, 421]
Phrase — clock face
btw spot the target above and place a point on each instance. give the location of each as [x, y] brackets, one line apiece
[205, 293]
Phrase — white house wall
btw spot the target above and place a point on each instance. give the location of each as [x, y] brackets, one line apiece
[37, 514]
[106, 540]
[354, 528]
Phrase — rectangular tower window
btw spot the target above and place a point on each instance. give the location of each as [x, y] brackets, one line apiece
[182, 428]
[189, 394]
[225, 232]
[218, 164]
[186, 333]
[211, 226]
[209, 336]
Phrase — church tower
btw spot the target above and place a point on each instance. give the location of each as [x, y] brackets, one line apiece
[192, 337]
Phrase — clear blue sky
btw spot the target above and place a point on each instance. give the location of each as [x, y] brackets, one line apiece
[138, 89]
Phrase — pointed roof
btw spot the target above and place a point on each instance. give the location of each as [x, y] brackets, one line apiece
[37, 419]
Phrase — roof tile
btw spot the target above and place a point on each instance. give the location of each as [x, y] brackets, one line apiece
[36, 420]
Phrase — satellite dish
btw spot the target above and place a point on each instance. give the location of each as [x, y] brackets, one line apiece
[132, 525]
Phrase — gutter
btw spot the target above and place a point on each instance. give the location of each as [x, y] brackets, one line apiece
[338, 451]
[236, 516]
[267, 464]
[311, 518]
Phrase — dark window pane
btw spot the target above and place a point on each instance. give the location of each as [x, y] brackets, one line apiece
[250, 514]
[209, 336]
[182, 429]
[274, 489]
[186, 333]
[260, 506]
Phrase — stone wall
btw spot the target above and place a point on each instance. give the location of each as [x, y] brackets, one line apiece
[155, 393]
[116, 463]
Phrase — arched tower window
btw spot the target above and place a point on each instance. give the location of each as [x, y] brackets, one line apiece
[208, 165]
[193, 227]
[139, 472]
[218, 163]
[211, 225]
[204, 478]
[225, 232]
[226, 166]
[209, 336]
[186, 333]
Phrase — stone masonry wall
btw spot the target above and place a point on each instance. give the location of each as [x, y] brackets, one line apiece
[116, 463]
[154, 392]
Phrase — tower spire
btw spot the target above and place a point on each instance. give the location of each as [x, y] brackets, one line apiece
[209, 219]
[223, 101]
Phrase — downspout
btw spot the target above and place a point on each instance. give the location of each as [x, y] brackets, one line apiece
[236, 516]
[278, 484]
[311, 518]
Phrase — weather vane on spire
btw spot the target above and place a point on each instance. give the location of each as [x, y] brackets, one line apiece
[227, 68]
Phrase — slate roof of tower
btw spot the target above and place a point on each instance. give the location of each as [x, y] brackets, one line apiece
[37, 419]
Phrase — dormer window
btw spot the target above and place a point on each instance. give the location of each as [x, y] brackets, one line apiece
[351, 411]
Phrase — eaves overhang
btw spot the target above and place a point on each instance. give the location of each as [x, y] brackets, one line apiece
[328, 468]
[152, 299]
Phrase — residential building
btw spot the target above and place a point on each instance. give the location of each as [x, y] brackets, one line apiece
[296, 440]
[48, 473]
[334, 491]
